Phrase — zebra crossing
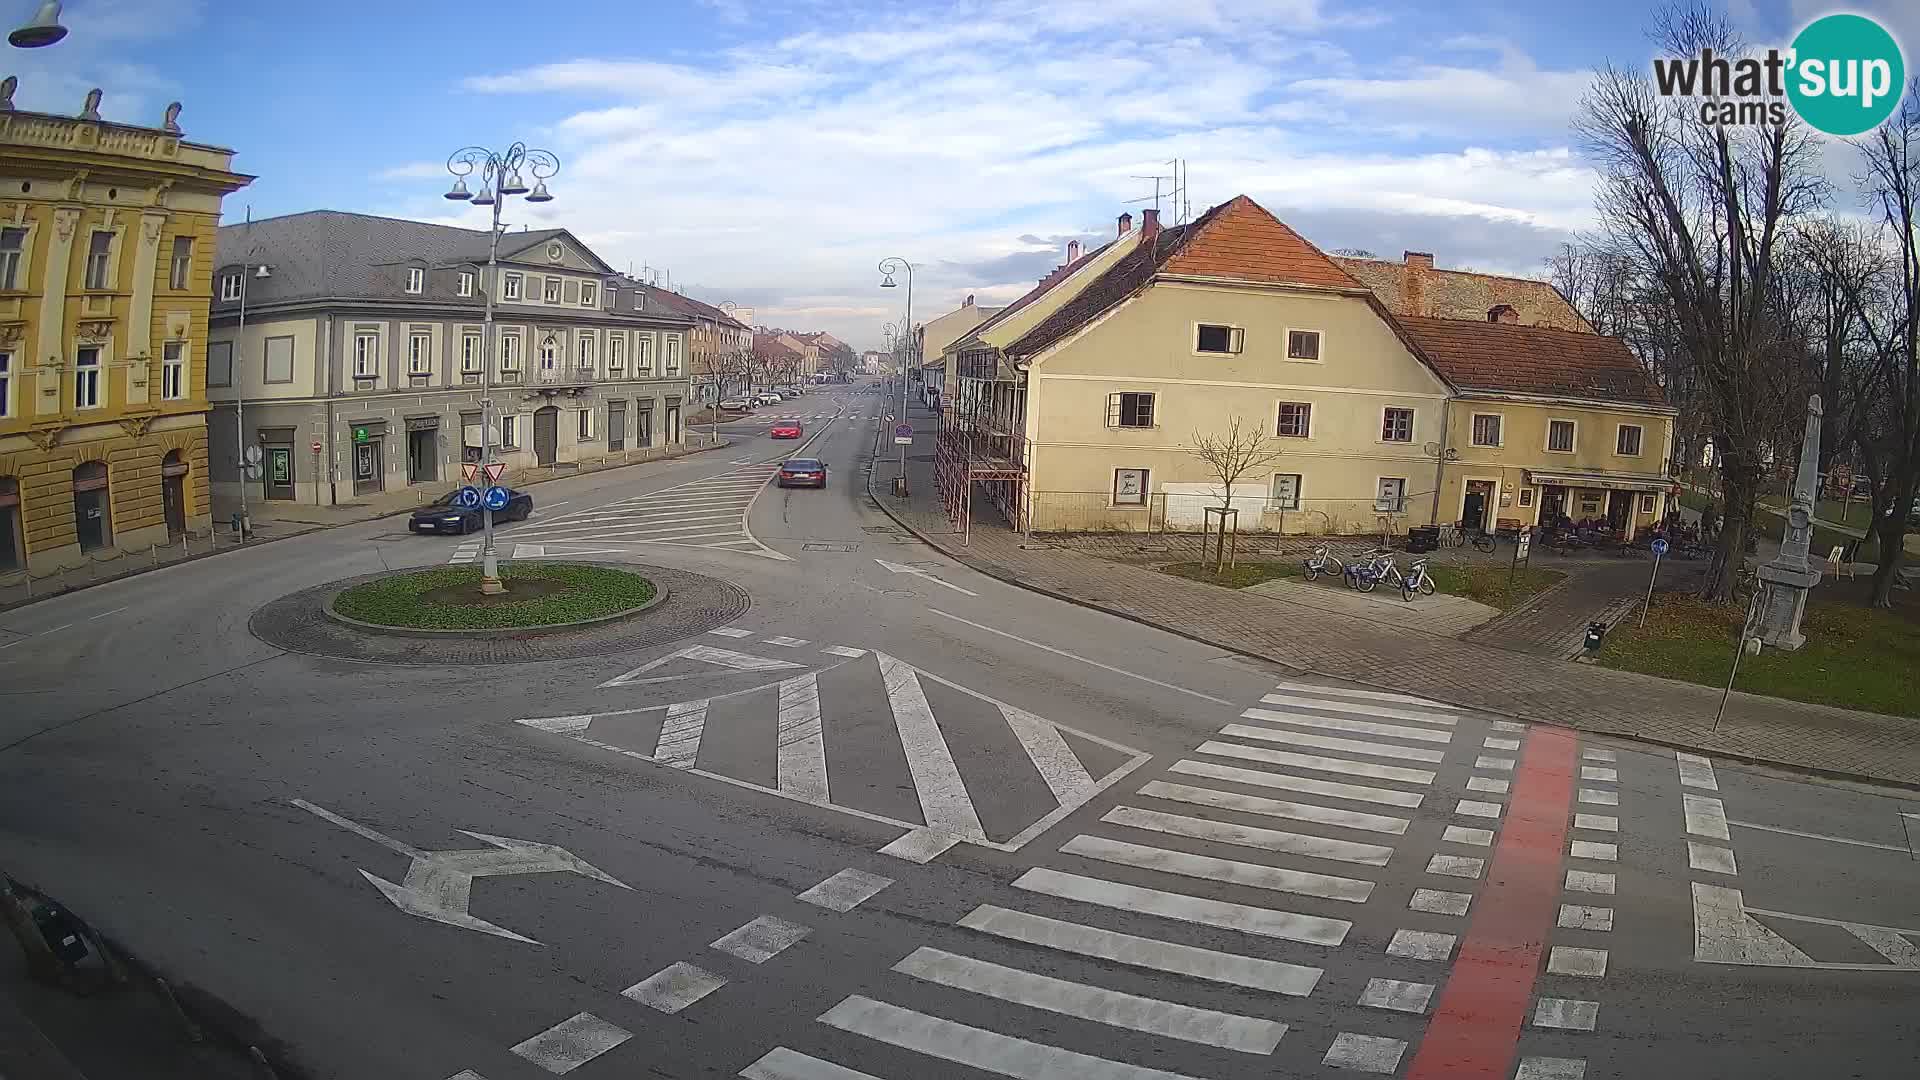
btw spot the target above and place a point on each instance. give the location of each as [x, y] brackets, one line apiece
[709, 513]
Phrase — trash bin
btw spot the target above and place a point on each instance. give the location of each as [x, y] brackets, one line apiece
[1423, 538]
[899, 487]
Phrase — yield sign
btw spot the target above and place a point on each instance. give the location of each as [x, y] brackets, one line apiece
[439, 883]
[494, 469]
[468, 470]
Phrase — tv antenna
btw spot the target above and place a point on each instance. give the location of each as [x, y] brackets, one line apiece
[1171, 187]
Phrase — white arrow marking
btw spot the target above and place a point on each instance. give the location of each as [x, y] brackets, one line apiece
[706, 654]
[918, 572]
[439, 884]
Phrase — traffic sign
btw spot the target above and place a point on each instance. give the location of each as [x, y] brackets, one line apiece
[903, 434]
[467, 498]
[253, 455]
[468, 470]
[1660, 546]
[496, 498]
[316, 446]
[494, 469]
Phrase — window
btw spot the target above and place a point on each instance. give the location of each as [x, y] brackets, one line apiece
[1129, 487]
[13, 247]
[180, 270]
[1391, 496]
[1130, 410]
[1396, 425]
[616, 353]
[589, 295]
[465, 287]
[1296, 419]
[173, 370]
[673, 355]
[366, 356]
[420, 354]
[416, 279]
[470, 354]
[1627, 442]
[549, 352]
[508, 436]
[220, 363]
[1286, 491]
[230, 287]
[1526, 496]
[550, 290]
[86, 378]
[1303, 344]
[509, 352]
[99, 260]
[510, 287]
[279, 367]
[585, 347]
[1646, 503]
[6, 384]
[586, 423]
[1486, 429]
[643, 355]
[1560, 436]
[1209, 338]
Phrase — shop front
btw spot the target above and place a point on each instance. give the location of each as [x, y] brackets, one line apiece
[1622, 503]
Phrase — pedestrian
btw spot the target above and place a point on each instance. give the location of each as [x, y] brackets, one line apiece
[1709, 521]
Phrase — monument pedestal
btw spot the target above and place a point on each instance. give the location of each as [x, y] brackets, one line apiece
[1791, 573]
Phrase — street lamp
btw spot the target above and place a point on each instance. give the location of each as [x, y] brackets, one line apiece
[43, 30]
[501, 174]
[889, 267]
[261, 272]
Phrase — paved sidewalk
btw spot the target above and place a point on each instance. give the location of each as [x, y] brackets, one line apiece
[1527, 687]
[1436, 614]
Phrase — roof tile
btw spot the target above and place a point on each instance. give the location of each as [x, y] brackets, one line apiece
[1535, 360]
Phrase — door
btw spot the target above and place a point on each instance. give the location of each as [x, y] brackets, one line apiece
[673, 425]
[13, 549]
[173, 492]
[369, 468]
[92, 517]
[546, 435]
[1553, 503]
[1620, 512]
[616, 425]
[1474, 510]
[643, 427]
[280, 472]
[423, 456]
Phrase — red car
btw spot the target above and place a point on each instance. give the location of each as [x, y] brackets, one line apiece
[806, 472]
[785, 431]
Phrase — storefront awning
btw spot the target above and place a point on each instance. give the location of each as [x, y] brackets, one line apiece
[1604, 480]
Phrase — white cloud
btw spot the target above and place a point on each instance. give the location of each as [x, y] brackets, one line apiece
[415, 170]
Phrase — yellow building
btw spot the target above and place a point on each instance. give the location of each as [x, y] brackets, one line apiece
[106, 265]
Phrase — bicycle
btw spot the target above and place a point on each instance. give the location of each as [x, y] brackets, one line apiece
[1323, 561]
[1416, 580]
[1364, 576]
[1449, 537]
[1483, 540]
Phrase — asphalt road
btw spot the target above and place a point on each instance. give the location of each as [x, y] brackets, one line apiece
[899, 820]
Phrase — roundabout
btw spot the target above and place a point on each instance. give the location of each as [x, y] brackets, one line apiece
[543, 596]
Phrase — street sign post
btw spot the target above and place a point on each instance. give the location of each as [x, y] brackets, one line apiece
[496, 498]
[903, 434]
[1659, 549]
[1522, 552]
[316, 446]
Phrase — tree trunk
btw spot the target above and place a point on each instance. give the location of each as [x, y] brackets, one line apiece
[1740, 483]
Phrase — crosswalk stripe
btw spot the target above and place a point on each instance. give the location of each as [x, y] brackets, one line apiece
[781, 1063]
[845, 890]
[1316, 762]
[1294, 980]
[762, 939]
[572, 1043]
[1383, 711]
[982, 1049]
[1056, 762]
[1329, 742]
[944, 803]
[1370, 695]
[1208, 868]
[802, 764]
[674, 987]
[679, 742]
[1313, 847]
[1306, 785]
[1254, 804]
[1247, 919]
[1111, 1007]
[1357, 727]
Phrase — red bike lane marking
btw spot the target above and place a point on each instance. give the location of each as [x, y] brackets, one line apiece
[1476, 1026]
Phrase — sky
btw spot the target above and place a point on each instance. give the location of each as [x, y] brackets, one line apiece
[772, 152]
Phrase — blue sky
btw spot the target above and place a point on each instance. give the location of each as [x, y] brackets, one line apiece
[772, 152]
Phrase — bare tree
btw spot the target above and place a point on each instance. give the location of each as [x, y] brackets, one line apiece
[1353, 253]
[1836, 271]
[1232, 454]
[1703, 210]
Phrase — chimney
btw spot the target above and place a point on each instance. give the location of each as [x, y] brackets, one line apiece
[1126, 225]
[1503, 313]
[1073, 251]
[1414, 287]
[969, 301]
[1149, 224]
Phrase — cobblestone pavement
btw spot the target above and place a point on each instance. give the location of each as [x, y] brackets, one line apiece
[1553, 623]
[1464, 673]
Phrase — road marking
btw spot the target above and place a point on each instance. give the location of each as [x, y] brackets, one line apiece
[104, 614]
[1306, 785]
[1328, 742]
[1370, 695]
[705, 654]
[1316, 762]
[1456, 834]
[923, 574]
[1082, 659]
[843, 650]
[1582, 917]
[1588, 849]
[1259, 921]
[1475, 808]
[674, 987]
[1052, 758]
[1101, 1006]
[1254, 804]
[679, 742]
[1706, 817]
[920, 845]
[732, 632]
[1222, 832]
[1364, 1053]
[1599, 797]
[944, 803]
[1354, 707]
[1892, 942]
[1396, 995]
[1209, 868]
[1356, 727]
[1696, 771]
[1232, 969]
[781, 1063]
[802, 752]
[1420, 945]
[1590, 881]
[1546, 1068]
[365, 833]
[1592, 772]
[1476, 1023]
[788, 642]
[1596, 822]
[1585, 963]
[1606, 756]
[572, 1043]
[845, 890]
[1460, 866]
[986, 1050]
[1504, 764]
[1566, 1014]
[529, 551]
[1492, 743]
[1710, 857]
[762, 939]
[1488, 784]
[1803, 835]
[1508, 726]
[1439, 902]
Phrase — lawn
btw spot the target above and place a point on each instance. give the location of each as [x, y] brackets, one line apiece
[1855, 657]
[1487, 584]
[1238, 576]
[538, 594]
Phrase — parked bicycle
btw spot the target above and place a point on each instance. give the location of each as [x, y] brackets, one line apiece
[1483, 540]
[1416, 580]
[1323, 561]
[1369, 572]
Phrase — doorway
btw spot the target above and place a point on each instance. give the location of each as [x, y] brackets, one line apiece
[1620, 512]
[280, 472]
[173, 492]
[1553, 504]
[546, 435]
[92, 514]
[423, 456]
[13, 548]
[1474, 508]
[673, 425]
[643, 425]
[369, 468]
[616, 425]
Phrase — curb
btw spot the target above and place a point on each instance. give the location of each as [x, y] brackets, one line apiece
[660, 594]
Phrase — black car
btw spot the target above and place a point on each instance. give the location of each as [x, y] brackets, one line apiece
[811, 472]
[441, 516]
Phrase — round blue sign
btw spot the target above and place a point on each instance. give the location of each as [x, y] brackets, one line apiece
[467, 498]
[497, 497]
[1659, 547]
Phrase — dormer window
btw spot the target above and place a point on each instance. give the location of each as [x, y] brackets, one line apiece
[466, 283]
[589, 296]
[416, 279]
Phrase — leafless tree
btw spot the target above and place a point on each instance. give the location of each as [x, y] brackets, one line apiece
[1703, 211]
[1353, 253]
[1836, 271]
[1232, 454]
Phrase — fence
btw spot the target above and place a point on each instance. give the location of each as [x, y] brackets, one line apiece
[1163, 512]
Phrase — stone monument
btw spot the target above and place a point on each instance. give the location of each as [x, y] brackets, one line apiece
[1786, 579]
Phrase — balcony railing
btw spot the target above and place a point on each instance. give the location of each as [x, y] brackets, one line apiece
[565, 375]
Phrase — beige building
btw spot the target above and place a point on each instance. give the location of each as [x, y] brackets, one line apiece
[106, 259]
[939, 334]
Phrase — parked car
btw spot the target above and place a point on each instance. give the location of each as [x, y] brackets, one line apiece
[441, 516]
[785, 431]
[768, 398]
[802, 472]
[734, 404]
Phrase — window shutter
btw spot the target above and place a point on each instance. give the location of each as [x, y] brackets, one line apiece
[1236, 340]
[1113, 410]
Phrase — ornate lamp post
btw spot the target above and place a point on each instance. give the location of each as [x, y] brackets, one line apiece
[501, 174]
[889, 267]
